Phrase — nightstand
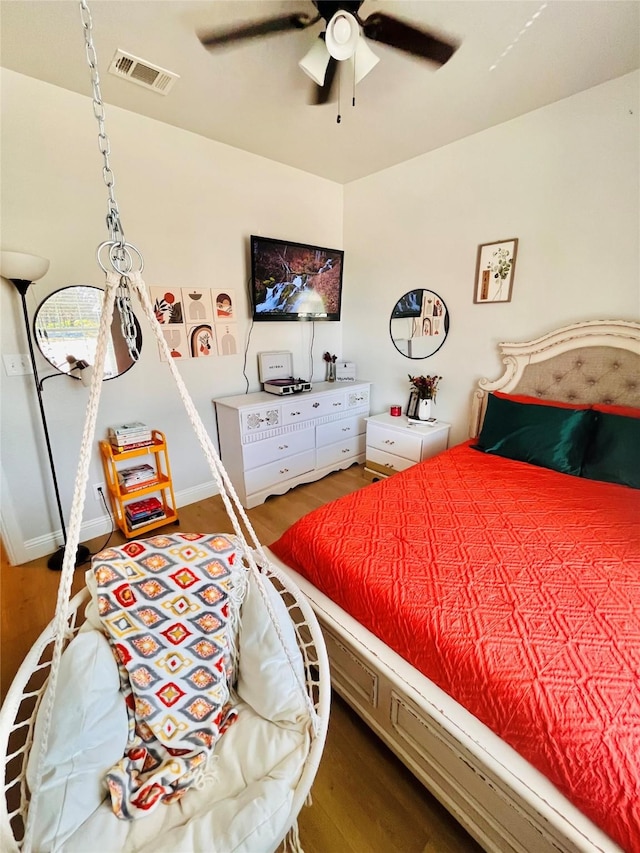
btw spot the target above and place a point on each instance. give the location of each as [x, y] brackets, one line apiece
[393, 444]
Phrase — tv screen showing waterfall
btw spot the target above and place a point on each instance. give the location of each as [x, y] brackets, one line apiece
[295, 281]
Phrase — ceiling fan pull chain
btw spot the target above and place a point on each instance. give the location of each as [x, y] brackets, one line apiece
[339, 118]
[353, 98]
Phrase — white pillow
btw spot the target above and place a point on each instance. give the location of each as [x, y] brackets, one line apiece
[88, 735]
[266, 680]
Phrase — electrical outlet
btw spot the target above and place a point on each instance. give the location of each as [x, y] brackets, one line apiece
[97, 488]
[17, 365]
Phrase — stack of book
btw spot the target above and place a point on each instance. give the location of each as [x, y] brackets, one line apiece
[143, 512]
[129, 436]
[137, 477]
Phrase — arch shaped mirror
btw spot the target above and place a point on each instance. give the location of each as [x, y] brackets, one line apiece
[419, 323]
[66, 324]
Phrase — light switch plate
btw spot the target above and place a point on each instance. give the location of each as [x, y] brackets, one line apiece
[17, 365]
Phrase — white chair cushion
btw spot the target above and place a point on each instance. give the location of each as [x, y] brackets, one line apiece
[266, 680]
[88, 734]
[245, 808]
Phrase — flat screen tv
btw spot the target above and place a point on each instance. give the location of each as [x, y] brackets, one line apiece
[295, 281]
[409, 305]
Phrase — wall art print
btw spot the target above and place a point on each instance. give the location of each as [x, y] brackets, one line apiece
[196, 321]
[224, 305]
[176, 339]
[495, 267]
[167, 305]
[196, 305]
[227, 339]
[202, 342]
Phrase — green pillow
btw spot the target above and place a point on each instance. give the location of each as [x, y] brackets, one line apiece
[613, 454]
[548, 436]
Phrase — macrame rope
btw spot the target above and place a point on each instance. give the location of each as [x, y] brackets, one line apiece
[229, 497]
[227, 492]
[71, 548]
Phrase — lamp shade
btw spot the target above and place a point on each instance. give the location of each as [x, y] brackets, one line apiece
[365, 59]
[343, 32]
[22, 267]
[315, 63]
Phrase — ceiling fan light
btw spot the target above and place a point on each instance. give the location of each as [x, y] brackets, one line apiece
[343, 33]
[315, 62]
[365, 60]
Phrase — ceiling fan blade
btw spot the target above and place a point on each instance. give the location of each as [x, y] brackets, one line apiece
[268, 26]
[395, 33]
[323, 93]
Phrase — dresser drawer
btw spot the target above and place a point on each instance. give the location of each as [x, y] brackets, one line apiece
[395, 442]
[278, 472]
[357, 398]
[301, 408]
[332, 454]
[385, 462]
[256, 420]
[276, 449]
[339, 430]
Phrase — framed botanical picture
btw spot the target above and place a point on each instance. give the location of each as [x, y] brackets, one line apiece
[495, 267]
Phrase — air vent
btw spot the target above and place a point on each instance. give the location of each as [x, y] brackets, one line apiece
[142, 72]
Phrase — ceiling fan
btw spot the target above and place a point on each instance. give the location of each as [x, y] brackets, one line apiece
[344, 37]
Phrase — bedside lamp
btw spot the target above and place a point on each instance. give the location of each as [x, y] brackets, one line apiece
[22, 270]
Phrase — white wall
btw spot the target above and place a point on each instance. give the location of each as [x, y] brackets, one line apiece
[564, 180]
[189, 205]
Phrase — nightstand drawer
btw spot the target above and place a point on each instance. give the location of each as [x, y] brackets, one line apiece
[396, 442]
[279, 447]
[386, 463]
[340, 430]
[278, 472]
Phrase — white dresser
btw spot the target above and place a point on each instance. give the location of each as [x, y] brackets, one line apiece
[393, 444]
[269, 444]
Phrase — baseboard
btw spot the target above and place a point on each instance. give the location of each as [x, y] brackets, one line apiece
[41, 546]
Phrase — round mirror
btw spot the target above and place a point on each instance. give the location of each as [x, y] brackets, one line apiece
[419, 323]
[67, 323]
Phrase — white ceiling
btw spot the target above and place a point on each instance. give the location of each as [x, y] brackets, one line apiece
[253, 95]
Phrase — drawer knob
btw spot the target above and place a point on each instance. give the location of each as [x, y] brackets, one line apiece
[346, 429]
[389, 441]
[347, 450]
[283, 447]
[337, 404]
[284, 470]
[293, 414]
[315, 405]
[388, 465]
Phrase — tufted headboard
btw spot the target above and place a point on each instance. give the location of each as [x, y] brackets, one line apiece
[597, 361]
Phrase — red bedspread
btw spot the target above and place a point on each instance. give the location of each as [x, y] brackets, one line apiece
[517, 591]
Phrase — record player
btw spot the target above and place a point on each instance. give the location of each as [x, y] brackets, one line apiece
[275, 370]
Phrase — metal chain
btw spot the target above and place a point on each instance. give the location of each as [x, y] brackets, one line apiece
[121, 254]
[116, 232]
[127, 319]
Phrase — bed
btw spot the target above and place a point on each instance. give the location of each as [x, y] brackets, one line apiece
[482, 611]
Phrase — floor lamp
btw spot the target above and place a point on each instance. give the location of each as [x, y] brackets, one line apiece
[22, 270]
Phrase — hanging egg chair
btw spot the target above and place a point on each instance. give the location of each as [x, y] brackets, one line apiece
[180, 701]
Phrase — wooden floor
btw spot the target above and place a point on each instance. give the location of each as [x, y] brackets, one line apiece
[364, 799]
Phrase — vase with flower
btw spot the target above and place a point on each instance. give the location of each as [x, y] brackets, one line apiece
[330, 361]
[422, 396]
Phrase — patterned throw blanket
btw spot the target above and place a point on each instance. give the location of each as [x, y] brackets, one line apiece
[170, 608]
